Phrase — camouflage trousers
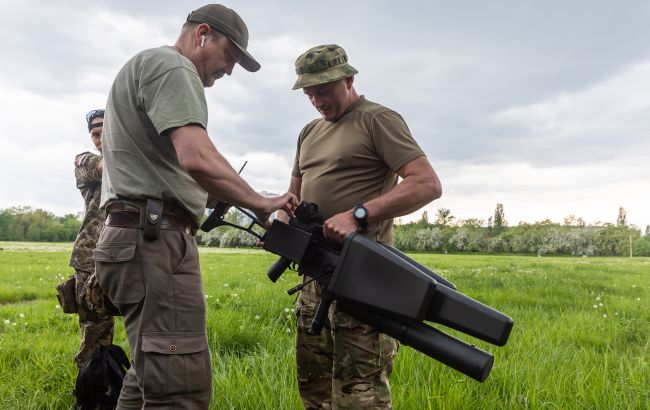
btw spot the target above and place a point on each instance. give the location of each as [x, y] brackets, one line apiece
[96, 330]
[345, 367]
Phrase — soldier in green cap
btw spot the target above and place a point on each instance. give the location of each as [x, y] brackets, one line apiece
[96, 328]
[160, 170]
[348, 162]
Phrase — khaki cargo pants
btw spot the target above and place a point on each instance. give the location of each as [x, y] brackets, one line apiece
[157, 287]
[345, 367]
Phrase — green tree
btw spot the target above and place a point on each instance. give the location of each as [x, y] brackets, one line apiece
[642, 247]
[621, 220]
[5, 224]
[499, 221]
[444, 217]
[424, 220]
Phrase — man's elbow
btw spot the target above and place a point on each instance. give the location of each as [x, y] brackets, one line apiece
[432, 189]
[192, 164]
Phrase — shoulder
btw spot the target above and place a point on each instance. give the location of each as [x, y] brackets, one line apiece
[161, 60]
[371, 109]
[375, 114]
[84, 158]
[309, 129]
[163, 53]
[310, 126]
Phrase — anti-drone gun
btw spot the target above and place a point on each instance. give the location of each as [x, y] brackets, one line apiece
[384, 288]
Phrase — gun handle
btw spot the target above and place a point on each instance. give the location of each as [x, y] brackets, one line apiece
[215, 216]
[321, 313]
[277, 269]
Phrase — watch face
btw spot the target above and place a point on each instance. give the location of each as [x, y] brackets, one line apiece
[360, 213]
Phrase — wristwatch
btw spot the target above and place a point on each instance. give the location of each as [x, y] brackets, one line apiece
[360, 213]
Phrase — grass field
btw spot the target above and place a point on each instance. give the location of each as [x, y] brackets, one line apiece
[580, 341]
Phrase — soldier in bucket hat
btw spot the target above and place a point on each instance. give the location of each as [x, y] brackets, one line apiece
[348, 162]
[160, 167]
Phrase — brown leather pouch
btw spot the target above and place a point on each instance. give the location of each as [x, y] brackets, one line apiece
[65, 292]
[152, 216]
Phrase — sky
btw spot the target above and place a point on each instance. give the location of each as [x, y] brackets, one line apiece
[540, 106]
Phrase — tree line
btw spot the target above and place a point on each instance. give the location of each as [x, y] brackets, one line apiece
[572, 237]
[444, 234]
[36, 225]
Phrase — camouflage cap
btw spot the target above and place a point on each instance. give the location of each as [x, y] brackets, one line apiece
[227, 22]
[322, 64]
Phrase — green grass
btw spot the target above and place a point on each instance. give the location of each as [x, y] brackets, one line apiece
[563, 353]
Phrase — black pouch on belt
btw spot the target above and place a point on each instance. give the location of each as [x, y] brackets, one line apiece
[66, 294]
[153, 214]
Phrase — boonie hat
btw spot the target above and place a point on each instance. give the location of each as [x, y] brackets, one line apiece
[227, 22]
[322, 64]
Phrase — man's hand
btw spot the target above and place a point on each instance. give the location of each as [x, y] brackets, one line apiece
[340, 226]
[287, 203]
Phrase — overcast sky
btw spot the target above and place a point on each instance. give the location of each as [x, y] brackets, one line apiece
[541, 106]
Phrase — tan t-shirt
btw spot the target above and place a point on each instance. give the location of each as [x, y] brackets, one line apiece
[354, 160]
[155, 91]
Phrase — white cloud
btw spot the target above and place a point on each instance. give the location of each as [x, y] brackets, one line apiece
[264, 171]
[612, 113]
[40, 176]
[530, 105]
[593, 192]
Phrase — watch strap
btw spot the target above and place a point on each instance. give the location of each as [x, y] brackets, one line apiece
[363, 222]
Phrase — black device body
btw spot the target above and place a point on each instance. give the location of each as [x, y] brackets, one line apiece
[385, 288]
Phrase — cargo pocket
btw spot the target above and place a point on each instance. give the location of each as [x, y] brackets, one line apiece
[304, 315]
[119, 272]
[359, 345]
[176, 364]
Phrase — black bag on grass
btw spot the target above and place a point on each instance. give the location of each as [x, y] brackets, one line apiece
[99, 382]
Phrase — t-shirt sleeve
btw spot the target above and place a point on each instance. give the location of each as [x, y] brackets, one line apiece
[175, 99]
[393, 140]
[295, 172]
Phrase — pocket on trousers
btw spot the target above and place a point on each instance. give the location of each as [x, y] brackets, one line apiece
[304, 315]
[361, 346]
[176, 364]
[119, 272]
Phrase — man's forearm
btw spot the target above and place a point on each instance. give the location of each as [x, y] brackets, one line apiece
[226, 185]
[406, 197]
[199, 157]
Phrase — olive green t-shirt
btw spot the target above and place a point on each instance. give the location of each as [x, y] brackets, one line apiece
[155, 91]
[353, 160]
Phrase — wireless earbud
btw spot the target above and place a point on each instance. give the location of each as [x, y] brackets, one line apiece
[202, 40]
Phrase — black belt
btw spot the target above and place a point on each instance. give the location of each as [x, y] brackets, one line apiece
[126, 215]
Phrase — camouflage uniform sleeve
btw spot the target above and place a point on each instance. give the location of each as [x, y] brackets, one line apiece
[86, 170]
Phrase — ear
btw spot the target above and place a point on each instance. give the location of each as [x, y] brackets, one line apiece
[348, 82]
[201, 30]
